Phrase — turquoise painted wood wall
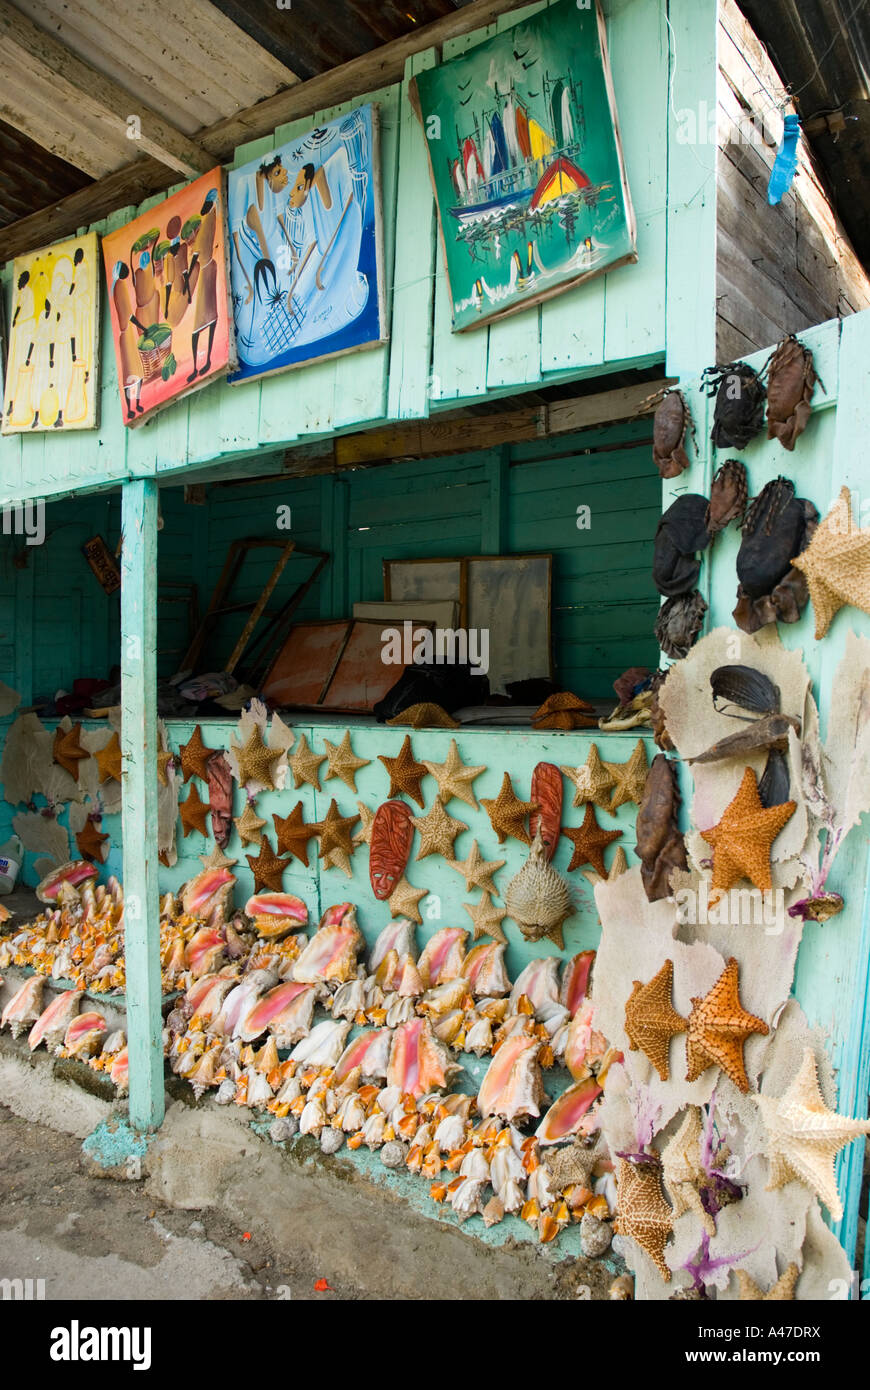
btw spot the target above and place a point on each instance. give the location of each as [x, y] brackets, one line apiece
[630, 317]
[833, 970]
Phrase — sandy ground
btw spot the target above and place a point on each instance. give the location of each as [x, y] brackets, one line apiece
[92, 1238]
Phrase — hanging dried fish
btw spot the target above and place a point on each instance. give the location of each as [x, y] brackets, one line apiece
[671, 421]
[769, 732]
[791, 378]
[729, 494]
[739, 411]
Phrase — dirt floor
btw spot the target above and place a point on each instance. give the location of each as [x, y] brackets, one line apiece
[93, 1238]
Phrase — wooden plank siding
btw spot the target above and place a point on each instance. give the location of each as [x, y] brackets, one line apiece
[779, 269]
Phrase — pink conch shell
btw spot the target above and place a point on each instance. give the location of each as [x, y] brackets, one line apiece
[73, 873]
[119, 1072]
[206, 995]
[204, 951]
[25, 1006]
[286, 1010]
[418, 1061]
[396, 936]
[208, 895]
[575, 980]
[408, 983]
[336, 915]
[239, 1000]
[539, 982]
[370, 1052]
[513, 1086]
[565, 1115]
[275, 914]
[579, 1040]
[485, 972]
[53, 1022]
[442, 956]
[5, 914]
[85, 1034]
[331, 953]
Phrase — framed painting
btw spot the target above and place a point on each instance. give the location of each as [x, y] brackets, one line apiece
[169, 298]
[51, 370]
[526, 164]
[306, 248]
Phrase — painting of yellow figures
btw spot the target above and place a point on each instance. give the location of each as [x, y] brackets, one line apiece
[51, 370]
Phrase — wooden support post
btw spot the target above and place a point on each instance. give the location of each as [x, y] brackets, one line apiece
[494, 522]
[139, 800]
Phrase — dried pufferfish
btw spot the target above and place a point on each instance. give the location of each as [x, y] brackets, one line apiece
[538, 898]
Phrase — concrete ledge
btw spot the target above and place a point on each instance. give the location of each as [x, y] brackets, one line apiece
[59, 1092]
[347, 1219]
[363, 1224]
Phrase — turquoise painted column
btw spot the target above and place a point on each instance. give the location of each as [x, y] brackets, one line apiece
[139, 800]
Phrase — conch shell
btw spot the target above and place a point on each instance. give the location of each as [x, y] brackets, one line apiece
[442, 956]
[25, 1006]
[85, 1034]
[538, 898]
[332, 951]
[418, 1061]
[565, 1115]
[72, 874]
[484, 969]
[513, 1086]
[208, 895]
[53, 1022]
[275, 914]
[286, 1011]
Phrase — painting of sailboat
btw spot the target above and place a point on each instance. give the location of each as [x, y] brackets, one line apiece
[527, 164]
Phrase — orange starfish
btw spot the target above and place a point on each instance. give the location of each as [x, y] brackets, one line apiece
[651, 1019]
[717, 1029]
[643, 1212]
[267, 868]
[109, 760]
[293, 834]
[193, 812]
[507, 813]
[90, 842]
[67, 750]
[743, 838]
[195, 756]
[406, 773]
[589, 841]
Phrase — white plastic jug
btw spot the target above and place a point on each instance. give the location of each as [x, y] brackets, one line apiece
[10, 862]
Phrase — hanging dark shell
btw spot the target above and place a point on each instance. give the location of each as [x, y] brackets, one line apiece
[777, 528]
[670, 423]
[738, 414]
[680, 535]
[660, 845]
[679, 621]
[729, 494]
[746, 687]
[775, 784]
[791, 378]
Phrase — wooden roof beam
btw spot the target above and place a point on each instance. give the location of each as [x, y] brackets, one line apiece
[38, 57]
[379, 68]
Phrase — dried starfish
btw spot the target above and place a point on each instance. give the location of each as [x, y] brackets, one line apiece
[651, 1019]
[717, 1028]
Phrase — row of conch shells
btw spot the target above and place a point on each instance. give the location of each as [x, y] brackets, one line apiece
[355, 1050]
[279, 1041]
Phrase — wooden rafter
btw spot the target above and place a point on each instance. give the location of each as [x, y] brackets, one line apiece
[36, 58]
[136, 181]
